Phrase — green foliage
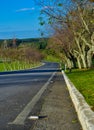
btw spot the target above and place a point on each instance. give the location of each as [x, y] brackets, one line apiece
[42, 23]
[59, 4]
[39, 43]
[52, 58]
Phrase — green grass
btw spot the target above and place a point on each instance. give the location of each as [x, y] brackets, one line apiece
[52, 58]
[84, 81]
[10, 66]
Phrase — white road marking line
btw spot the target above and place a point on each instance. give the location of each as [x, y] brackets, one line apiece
[23, 115]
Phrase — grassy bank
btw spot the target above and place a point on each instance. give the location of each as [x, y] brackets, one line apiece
[17, 66]
[84, 81]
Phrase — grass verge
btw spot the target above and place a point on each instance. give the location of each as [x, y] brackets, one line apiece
[11, 66]
[84, 82]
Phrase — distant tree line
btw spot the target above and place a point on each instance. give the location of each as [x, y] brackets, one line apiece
[39, 43]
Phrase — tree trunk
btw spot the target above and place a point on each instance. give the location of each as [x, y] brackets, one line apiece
[89, 59]
[69, 63]
[83, 61]
[79, 62]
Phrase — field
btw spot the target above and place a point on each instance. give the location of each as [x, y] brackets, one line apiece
[84, 81]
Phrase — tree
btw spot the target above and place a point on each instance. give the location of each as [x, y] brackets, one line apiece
[74, 29]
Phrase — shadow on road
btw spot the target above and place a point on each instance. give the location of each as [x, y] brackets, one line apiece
[30, 71]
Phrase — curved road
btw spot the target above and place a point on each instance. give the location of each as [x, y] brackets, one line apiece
[17, 91]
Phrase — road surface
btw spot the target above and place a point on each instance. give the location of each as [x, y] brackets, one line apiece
[19, 92]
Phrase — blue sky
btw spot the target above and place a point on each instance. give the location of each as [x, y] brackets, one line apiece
[19, 18]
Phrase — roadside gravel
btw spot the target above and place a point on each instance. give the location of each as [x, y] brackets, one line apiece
[58, 108]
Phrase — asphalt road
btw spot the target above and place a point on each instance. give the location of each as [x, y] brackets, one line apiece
[18, 92]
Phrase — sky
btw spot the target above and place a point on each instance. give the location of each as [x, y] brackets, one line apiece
[19, 18]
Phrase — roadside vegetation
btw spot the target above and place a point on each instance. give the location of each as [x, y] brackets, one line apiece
[15, 55]
[18, 54]
[17, 66]
[84, 81]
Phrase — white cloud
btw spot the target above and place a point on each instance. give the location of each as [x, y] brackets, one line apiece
[25, 9]
[47, 7]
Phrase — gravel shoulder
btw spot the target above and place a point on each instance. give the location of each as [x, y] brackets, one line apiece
[58, 108]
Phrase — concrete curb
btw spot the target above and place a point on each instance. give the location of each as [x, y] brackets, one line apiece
[85, 114]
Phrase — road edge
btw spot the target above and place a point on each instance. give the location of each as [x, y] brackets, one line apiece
[85, 114]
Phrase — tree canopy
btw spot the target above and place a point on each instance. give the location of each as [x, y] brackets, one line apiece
[73, 25]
